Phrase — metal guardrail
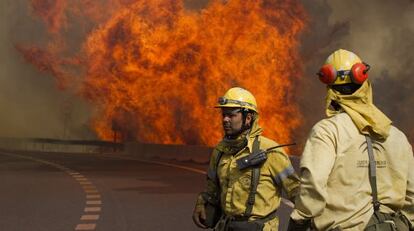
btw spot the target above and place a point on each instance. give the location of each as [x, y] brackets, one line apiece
[57, 145]
[78, 142]
[194, 153]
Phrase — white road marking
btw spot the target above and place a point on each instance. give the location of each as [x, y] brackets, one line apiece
[285, 201]
[89, 217]
[92, 209]
[79, 177]
[73, 173]
[84, 182]
[93, 196]
[158, 163]
[93, 202]
[85, 227]
[89, 191]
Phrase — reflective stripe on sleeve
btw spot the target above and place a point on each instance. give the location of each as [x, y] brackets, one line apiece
[283, 175]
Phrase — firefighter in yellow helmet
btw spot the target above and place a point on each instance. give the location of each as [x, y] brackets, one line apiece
[243, 188]
[356, 167]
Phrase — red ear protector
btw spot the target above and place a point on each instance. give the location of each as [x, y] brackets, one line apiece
[358, 73]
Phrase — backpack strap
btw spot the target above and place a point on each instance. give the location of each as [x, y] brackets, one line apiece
[254, 180]
[212, 172]
[372, 174]
[213, 176]
[216, 179]
[219, 155]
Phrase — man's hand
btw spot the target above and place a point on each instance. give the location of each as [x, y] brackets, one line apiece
[302, 225]
[199, 214]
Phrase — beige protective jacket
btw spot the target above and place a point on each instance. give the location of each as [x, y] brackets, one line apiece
[335, 190]
[276, 174]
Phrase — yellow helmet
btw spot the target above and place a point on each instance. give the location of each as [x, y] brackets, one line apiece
[342, 67]
[238, 97]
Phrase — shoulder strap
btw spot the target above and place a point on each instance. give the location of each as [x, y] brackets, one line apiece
[215, 179]
[216, 167]
[372, 174]
[212, 171]
[254, 181]
[218, 159]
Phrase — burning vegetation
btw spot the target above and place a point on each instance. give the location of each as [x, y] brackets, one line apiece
[153, 70]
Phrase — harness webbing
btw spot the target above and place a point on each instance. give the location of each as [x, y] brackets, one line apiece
[217, 180]
[253, 183]
[254, 180]
[372, 174]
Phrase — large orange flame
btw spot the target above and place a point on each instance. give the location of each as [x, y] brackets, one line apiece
[155, 69]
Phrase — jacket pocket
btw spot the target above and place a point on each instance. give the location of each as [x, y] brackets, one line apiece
[245, 180]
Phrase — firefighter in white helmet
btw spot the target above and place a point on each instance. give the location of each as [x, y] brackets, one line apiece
[244, 189]
[356, 167]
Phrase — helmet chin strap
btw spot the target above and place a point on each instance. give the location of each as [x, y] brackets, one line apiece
[244, 116]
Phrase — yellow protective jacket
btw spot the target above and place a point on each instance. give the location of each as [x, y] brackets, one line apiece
[335, 188]
[276, 174]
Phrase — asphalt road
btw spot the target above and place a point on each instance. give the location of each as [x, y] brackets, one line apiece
[57, 192]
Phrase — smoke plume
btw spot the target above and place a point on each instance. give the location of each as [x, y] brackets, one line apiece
[381, 33]
[31, 103]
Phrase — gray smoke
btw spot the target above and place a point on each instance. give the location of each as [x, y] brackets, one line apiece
[381, 32]
[31, 104]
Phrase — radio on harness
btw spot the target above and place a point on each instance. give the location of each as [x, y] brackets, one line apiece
[258, 158]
